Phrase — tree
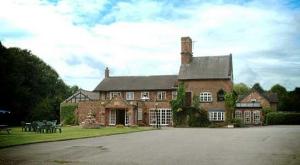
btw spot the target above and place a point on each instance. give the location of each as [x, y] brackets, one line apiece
[283, 96]
[30, 88]
[241, 88]
[230, 101]
[258, 88]
[178, 104]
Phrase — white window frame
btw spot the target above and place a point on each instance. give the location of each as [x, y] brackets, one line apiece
[247, 117]
[126, 118]
[140, 114]
[112, 94]
[174, 95]
[164, 116]
[256, 117]
[129, 95]
[146, 94]
[205, 97]
[238, 114]
[112, 117]
[161, 95]
[216, 116]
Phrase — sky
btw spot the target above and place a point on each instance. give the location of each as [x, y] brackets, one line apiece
[79, 38]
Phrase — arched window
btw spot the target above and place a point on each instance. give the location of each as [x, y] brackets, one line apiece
[205, 97]
[221, 95]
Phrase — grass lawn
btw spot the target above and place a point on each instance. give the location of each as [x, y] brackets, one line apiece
[17, 137]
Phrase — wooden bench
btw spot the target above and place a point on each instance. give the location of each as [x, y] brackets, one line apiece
[5, 128]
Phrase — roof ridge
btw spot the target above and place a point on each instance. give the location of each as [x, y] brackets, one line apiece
[213, 56]
[139, 76]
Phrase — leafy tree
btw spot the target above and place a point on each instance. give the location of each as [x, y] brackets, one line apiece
[30, 88]
[258, 88]
[241, 88]
[196, 102]
[283, 96]
[178, 104]
[230, 101]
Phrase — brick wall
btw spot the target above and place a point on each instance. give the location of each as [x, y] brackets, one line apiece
[259, 98]
[213, 86]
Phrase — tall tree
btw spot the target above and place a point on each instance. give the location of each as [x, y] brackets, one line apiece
[241, 88]
[258, 88]
[283, 96]
[30, 88]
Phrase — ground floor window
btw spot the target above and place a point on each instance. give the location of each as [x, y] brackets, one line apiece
[112, 117]
[162, 116]
[216, 116]
[238, 114]
[256, 117]
[247, 117]
[126, 117]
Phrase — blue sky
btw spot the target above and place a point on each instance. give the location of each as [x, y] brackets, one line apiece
[79, 38]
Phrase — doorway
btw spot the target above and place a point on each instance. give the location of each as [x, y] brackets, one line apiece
[120, 117]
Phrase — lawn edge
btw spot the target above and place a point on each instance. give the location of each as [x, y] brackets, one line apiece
[76, 138]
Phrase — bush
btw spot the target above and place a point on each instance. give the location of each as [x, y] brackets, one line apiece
[275, 118]
[67, 115]
[237, 122]
[265, 111]
[217, 125]
[119, 126]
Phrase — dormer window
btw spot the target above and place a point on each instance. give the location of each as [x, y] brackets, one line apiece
[253, 100]
[221, 95]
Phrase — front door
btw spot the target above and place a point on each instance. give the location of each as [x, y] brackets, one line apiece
[120, 117]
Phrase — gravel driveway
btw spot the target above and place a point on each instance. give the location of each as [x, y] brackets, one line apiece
[276, 145]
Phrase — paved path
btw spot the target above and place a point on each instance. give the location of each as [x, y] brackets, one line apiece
[276, 145]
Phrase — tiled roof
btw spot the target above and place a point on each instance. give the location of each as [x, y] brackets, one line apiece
[91, 95]
[271, 97]
[208, 67]
[125, 83]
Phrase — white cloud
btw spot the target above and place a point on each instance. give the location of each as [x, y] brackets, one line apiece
[143, 38]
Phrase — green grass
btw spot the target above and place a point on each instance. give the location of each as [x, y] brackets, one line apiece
[17, 137]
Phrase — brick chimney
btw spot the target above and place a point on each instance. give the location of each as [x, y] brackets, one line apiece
[106, 72]
[186, 50]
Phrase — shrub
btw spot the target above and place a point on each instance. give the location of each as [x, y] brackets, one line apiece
[265, 111]
[274, 118]
[217, 125]
[237, 122]
[119, 126]
[67, 115]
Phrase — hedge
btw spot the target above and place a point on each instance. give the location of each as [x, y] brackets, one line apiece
[67, 115]
[276, 118]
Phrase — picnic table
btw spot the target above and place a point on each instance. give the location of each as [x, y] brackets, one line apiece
[5, 128]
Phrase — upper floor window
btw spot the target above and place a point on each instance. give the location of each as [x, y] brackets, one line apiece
[113, 94]
[145, 95]
[205, 97]
[174, 95]
[161, 95]
[221, 95]
[129, 95]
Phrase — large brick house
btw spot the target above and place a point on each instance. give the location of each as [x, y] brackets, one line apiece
[143, 100]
